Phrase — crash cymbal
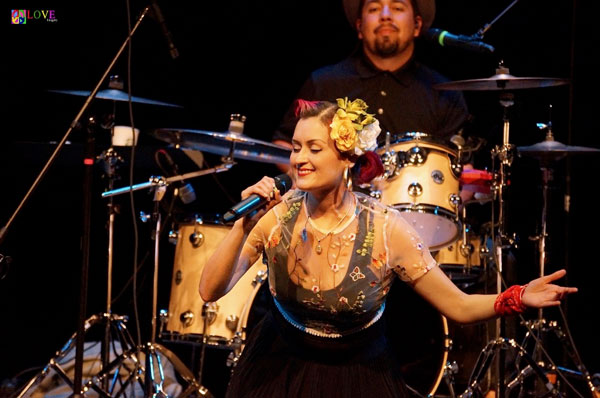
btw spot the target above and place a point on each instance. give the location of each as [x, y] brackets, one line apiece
[222, 143]
[501, 81]
[115, 95]
[554, 150]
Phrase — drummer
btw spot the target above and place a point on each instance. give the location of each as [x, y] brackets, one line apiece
[384, 72]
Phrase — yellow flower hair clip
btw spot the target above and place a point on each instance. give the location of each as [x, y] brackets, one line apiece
[353, 129]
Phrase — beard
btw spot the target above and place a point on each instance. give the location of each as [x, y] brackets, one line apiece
[386, 47]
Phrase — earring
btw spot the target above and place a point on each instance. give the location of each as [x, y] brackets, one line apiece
[348, 178]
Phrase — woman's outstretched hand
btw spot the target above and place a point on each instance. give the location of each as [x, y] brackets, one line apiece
[541, 292]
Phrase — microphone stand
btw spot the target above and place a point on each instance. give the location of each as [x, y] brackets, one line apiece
[487, 26]
[77, 383]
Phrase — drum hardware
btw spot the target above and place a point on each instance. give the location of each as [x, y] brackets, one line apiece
[536, 330]
[121, 342]
[487, 356]
[159, 181]
[153, 383]
[501, 81]
[152, 351]
[420, 181]
[115, 334]
[546, 153]
[111, 160]
[231, 144]
[465, 262]
[207, 325]
[450, 370]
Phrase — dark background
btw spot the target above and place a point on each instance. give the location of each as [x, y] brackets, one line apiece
[251, 58]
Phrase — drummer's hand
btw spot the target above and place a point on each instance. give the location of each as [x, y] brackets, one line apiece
[265, 188]
[542, 293]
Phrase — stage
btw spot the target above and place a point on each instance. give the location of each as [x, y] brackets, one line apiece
[249, 58]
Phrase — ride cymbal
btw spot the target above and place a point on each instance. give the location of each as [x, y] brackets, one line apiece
[554, 150]
[239, 145]
[502, 80]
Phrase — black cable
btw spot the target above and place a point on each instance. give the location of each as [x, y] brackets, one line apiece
[131, 196]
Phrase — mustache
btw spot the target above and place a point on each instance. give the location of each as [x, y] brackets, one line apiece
[387, 26]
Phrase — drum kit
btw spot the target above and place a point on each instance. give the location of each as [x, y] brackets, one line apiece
[423, 181]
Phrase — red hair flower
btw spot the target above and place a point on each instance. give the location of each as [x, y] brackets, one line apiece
[368, 166]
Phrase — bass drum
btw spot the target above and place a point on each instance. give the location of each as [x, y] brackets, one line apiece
[221, 323]
[419, 336]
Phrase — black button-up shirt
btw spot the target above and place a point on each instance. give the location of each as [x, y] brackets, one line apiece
[403, 101]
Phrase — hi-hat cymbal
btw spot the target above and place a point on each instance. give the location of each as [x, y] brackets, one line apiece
[501, 81]
[554, 150]
[115, 95]
[222, 143]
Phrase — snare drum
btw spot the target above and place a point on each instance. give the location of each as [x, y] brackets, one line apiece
[422, 182]
[221, 323]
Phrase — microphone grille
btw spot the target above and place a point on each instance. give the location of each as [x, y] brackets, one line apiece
[283, 182]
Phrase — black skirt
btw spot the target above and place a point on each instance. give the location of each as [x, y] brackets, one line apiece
[280, 360]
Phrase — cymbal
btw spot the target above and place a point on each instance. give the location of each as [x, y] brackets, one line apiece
[554, 150]
[221, 144]
[501, 81]
[115, 95]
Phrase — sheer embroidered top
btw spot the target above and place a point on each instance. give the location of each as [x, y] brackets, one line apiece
[333, 283]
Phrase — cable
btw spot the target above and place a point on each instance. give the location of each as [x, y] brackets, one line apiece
[131, 196]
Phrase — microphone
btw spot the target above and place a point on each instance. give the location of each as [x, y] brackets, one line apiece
[185, 191]
[283, 182]
[163, 26]
[446, 39]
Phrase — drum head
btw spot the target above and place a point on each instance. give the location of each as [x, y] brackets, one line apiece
[438, 229]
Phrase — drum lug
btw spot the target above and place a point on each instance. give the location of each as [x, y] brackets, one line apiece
[455, 200]
[415, 189]
[187, 318]
[173, 237]
[390, 164]
[375, 193]
[232, 322]
[209, 311]
[417, 156]
[466, 250]
[197, 239]
[457, 168]
[163, 317]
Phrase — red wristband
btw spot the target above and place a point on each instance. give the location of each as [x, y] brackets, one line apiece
[509, 301]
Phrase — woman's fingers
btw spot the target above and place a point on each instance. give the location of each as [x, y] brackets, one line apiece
[263, 188]
[554, 276]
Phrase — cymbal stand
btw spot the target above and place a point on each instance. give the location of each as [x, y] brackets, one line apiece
[487, 356]
[535, 330]
[539, 328]
[88, 162]
[502, 240]
[116, 338]
[111, 161]
[154, 376]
